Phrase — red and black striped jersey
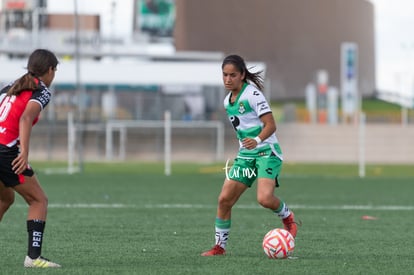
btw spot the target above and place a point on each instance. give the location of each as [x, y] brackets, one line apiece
[12, 107]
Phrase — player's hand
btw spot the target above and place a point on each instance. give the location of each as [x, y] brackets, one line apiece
[20, 163]
[249, 143]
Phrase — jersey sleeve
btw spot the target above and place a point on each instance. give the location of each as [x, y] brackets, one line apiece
[259, 103]
[41, 96]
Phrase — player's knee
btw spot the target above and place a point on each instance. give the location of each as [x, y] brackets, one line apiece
[45, 200]
[265, 201]
[40, 199]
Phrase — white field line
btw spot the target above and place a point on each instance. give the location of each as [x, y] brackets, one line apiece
[241, 206]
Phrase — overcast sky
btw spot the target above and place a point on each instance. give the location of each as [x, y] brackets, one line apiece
[394, 22]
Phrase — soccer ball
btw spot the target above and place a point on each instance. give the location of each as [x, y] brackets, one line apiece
[278, 243]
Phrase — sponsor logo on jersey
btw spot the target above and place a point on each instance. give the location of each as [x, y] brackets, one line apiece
[235, 121]
[262, 105]
[44, 97]
[264, 108]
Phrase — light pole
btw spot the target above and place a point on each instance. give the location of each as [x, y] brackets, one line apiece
[79, 88]
[407, 83]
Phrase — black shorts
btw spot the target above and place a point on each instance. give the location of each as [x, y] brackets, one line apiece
[7, 175]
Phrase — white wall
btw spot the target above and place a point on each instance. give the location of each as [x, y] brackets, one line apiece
[129, 72]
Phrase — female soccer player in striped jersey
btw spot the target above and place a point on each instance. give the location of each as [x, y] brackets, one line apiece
[259, 156]
[20, 105]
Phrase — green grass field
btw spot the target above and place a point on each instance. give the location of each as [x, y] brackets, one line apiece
[132, 219]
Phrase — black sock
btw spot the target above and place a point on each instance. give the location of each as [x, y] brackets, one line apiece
[35, 230]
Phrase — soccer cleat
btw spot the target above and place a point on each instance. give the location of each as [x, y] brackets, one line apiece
[39, 262]
[290, 224]
[215, 251]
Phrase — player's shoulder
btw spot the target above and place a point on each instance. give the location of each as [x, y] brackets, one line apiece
[252, 90]
[42, 94]
[42, 89]
[252, 93]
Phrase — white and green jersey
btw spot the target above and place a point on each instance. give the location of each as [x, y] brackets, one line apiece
[245, 113]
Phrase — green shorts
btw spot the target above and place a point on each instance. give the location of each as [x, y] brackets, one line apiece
[247, 167]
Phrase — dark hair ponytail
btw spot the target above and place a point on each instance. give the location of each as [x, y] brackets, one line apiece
[239, 63]
[38, 64]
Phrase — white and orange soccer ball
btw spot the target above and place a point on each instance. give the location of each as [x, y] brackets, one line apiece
[278, 243]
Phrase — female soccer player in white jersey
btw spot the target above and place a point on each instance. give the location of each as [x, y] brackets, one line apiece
[20, 105]
[259, 156]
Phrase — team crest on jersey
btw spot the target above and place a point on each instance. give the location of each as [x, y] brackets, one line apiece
[242, 109]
